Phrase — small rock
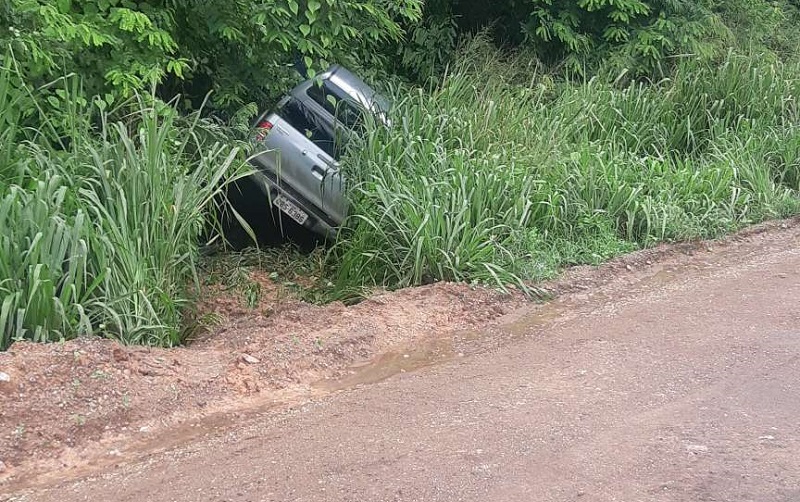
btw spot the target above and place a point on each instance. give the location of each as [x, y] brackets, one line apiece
[3, 467]
[766, 438]
[144, 428]
[697, 448]
[114, 453]
[628, 268]
[250, 359]
[5, 377]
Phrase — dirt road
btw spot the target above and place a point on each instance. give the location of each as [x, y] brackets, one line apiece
[680, 383]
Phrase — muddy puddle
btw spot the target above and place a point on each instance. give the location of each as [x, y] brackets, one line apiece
[435, 350]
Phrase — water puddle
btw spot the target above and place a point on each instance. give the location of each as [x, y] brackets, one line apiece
[437, 350]
[662, 277]
[423, 354]
[535, 319]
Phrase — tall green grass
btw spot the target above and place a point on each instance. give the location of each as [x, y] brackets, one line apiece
[101, 219]
[498, 174]
[501, 174]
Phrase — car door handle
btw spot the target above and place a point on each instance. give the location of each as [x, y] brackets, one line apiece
[319, 172]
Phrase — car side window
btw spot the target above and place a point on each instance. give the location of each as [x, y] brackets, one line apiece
[294, 114]
[333, 100]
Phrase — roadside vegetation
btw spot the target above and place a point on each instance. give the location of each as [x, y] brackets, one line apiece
[101, 219]
[526, 136]
[502, 174]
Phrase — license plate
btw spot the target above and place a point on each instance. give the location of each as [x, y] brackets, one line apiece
[290, 209]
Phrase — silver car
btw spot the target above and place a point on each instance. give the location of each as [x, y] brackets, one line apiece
[300, 144]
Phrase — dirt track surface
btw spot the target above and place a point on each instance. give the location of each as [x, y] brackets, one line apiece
[672, 375]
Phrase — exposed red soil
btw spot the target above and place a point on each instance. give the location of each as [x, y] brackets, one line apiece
[64, 401]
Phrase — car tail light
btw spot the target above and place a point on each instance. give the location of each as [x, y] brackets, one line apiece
[262, 129]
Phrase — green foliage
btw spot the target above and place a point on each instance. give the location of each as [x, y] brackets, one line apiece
[115, 45]
[499, 179]
[44, 284]
[500, 172]
[244, 50]
[593, 239]
[643, 33]
[428, 45]
[241, 49]
[643, 37]
[760, 24]
[100, 234]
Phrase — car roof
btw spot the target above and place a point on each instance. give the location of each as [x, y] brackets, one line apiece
[356, 88]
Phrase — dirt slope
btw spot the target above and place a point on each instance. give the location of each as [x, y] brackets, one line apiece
[668, 375]
[65, 404]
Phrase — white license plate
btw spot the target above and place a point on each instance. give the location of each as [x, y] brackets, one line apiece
[290, 209]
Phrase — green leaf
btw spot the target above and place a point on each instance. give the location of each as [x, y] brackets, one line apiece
[305, 29]
[64, 6]
[311, 16]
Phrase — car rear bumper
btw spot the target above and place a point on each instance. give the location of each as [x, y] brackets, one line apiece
[317, 222]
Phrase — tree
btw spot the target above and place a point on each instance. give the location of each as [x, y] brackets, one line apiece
[241, 49]
[641, 34]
